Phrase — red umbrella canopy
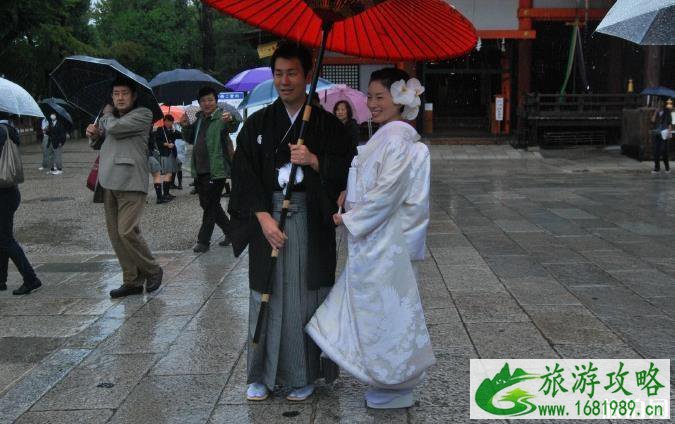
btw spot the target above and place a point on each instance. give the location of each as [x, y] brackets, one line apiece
[379, 29]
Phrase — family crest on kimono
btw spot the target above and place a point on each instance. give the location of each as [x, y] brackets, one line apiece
[372, 323]
[305, 268]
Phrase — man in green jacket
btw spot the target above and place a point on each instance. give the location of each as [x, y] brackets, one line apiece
[211, 163]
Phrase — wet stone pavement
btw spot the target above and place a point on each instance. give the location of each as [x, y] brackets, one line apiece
[531, 255]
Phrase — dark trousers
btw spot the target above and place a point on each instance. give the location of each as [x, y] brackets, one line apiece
[10, 198]
[660, 150]
[209, 199]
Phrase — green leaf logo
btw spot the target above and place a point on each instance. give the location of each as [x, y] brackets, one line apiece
[488, 390]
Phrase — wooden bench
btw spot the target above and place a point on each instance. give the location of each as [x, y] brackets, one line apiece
[573, 118]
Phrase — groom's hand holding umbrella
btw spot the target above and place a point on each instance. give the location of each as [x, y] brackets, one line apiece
[270, 228]
[300, 155]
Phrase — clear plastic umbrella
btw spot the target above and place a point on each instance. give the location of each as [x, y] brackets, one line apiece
[16, 101]
[647, 22]
[192, 110]
[265, 93]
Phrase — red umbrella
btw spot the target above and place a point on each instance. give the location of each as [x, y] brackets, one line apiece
[176, 111]
[381, 29]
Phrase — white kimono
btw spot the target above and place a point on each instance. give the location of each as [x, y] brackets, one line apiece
[372, 324]
[415, 209]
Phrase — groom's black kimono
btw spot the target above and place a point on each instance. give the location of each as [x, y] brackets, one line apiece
[305, 269]
[258, 155]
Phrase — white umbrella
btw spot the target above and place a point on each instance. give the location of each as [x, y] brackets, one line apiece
[646, 22]
[16, 101]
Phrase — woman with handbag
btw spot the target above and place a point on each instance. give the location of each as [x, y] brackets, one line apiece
[10, 198]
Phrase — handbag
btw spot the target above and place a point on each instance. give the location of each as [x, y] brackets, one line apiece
[92, 182]
[92, 179]
[666, 134]
[11, 167]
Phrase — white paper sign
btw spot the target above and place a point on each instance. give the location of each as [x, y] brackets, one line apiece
[499, 108]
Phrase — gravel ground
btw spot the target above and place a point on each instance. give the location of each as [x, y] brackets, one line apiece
[57, 214]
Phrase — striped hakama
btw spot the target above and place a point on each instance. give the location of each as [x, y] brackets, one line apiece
[286, 355]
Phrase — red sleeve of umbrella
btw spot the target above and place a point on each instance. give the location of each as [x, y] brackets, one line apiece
[389, 30]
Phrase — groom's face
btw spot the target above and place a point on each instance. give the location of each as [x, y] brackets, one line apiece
[290, 80]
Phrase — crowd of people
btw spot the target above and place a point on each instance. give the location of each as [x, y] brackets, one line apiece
[378, 192]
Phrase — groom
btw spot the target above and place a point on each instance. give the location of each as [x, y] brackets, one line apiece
[305, 268]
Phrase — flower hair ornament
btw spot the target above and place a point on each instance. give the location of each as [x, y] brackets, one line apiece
[407, 94]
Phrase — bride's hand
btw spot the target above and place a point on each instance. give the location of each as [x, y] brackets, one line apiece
[341, 199]
[337, 219]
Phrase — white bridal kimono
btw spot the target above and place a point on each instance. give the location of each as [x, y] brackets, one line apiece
[372, 324]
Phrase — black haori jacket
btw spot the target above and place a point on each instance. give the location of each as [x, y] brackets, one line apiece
[254, 179]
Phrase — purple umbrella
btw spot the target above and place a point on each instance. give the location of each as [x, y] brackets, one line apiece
[247, 80]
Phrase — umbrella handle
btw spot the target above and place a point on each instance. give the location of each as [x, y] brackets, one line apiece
[100, 112]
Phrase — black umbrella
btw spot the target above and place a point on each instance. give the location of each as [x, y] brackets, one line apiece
[181, 86]
[86, 82]
[49, 105]
[59, 101]
[226, 107]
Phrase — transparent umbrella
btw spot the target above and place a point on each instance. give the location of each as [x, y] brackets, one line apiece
[265, 93]
[192, 110]
[16, 101]
[647, 22]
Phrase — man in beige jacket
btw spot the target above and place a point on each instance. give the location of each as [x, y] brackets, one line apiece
[123, 173]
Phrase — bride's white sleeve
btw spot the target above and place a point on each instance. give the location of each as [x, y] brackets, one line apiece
[379, 203]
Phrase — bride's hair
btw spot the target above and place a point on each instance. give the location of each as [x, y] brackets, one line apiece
[388, 76]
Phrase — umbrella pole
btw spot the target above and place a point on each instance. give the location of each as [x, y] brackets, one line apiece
[265, 298]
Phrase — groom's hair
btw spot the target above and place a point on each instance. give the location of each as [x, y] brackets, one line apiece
[292, 50]
[388, 76]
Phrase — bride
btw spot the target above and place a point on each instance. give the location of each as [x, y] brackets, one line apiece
[372, 323]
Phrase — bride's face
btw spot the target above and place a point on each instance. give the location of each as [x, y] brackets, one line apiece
[381, 104]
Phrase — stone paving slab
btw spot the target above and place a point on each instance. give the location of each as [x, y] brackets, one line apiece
[527, 258]
[179, 399]
[91, 416]
[101, 382]
[25, 392]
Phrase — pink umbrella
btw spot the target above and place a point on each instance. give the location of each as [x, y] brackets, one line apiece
[355, 98]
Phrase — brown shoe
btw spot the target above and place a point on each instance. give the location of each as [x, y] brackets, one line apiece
[154, 281]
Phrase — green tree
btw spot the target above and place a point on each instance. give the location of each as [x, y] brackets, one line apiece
[151, 36]
[234, 49]
[145, 35]
[37, 34]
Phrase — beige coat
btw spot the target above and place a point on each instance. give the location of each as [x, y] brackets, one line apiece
[123, 163]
